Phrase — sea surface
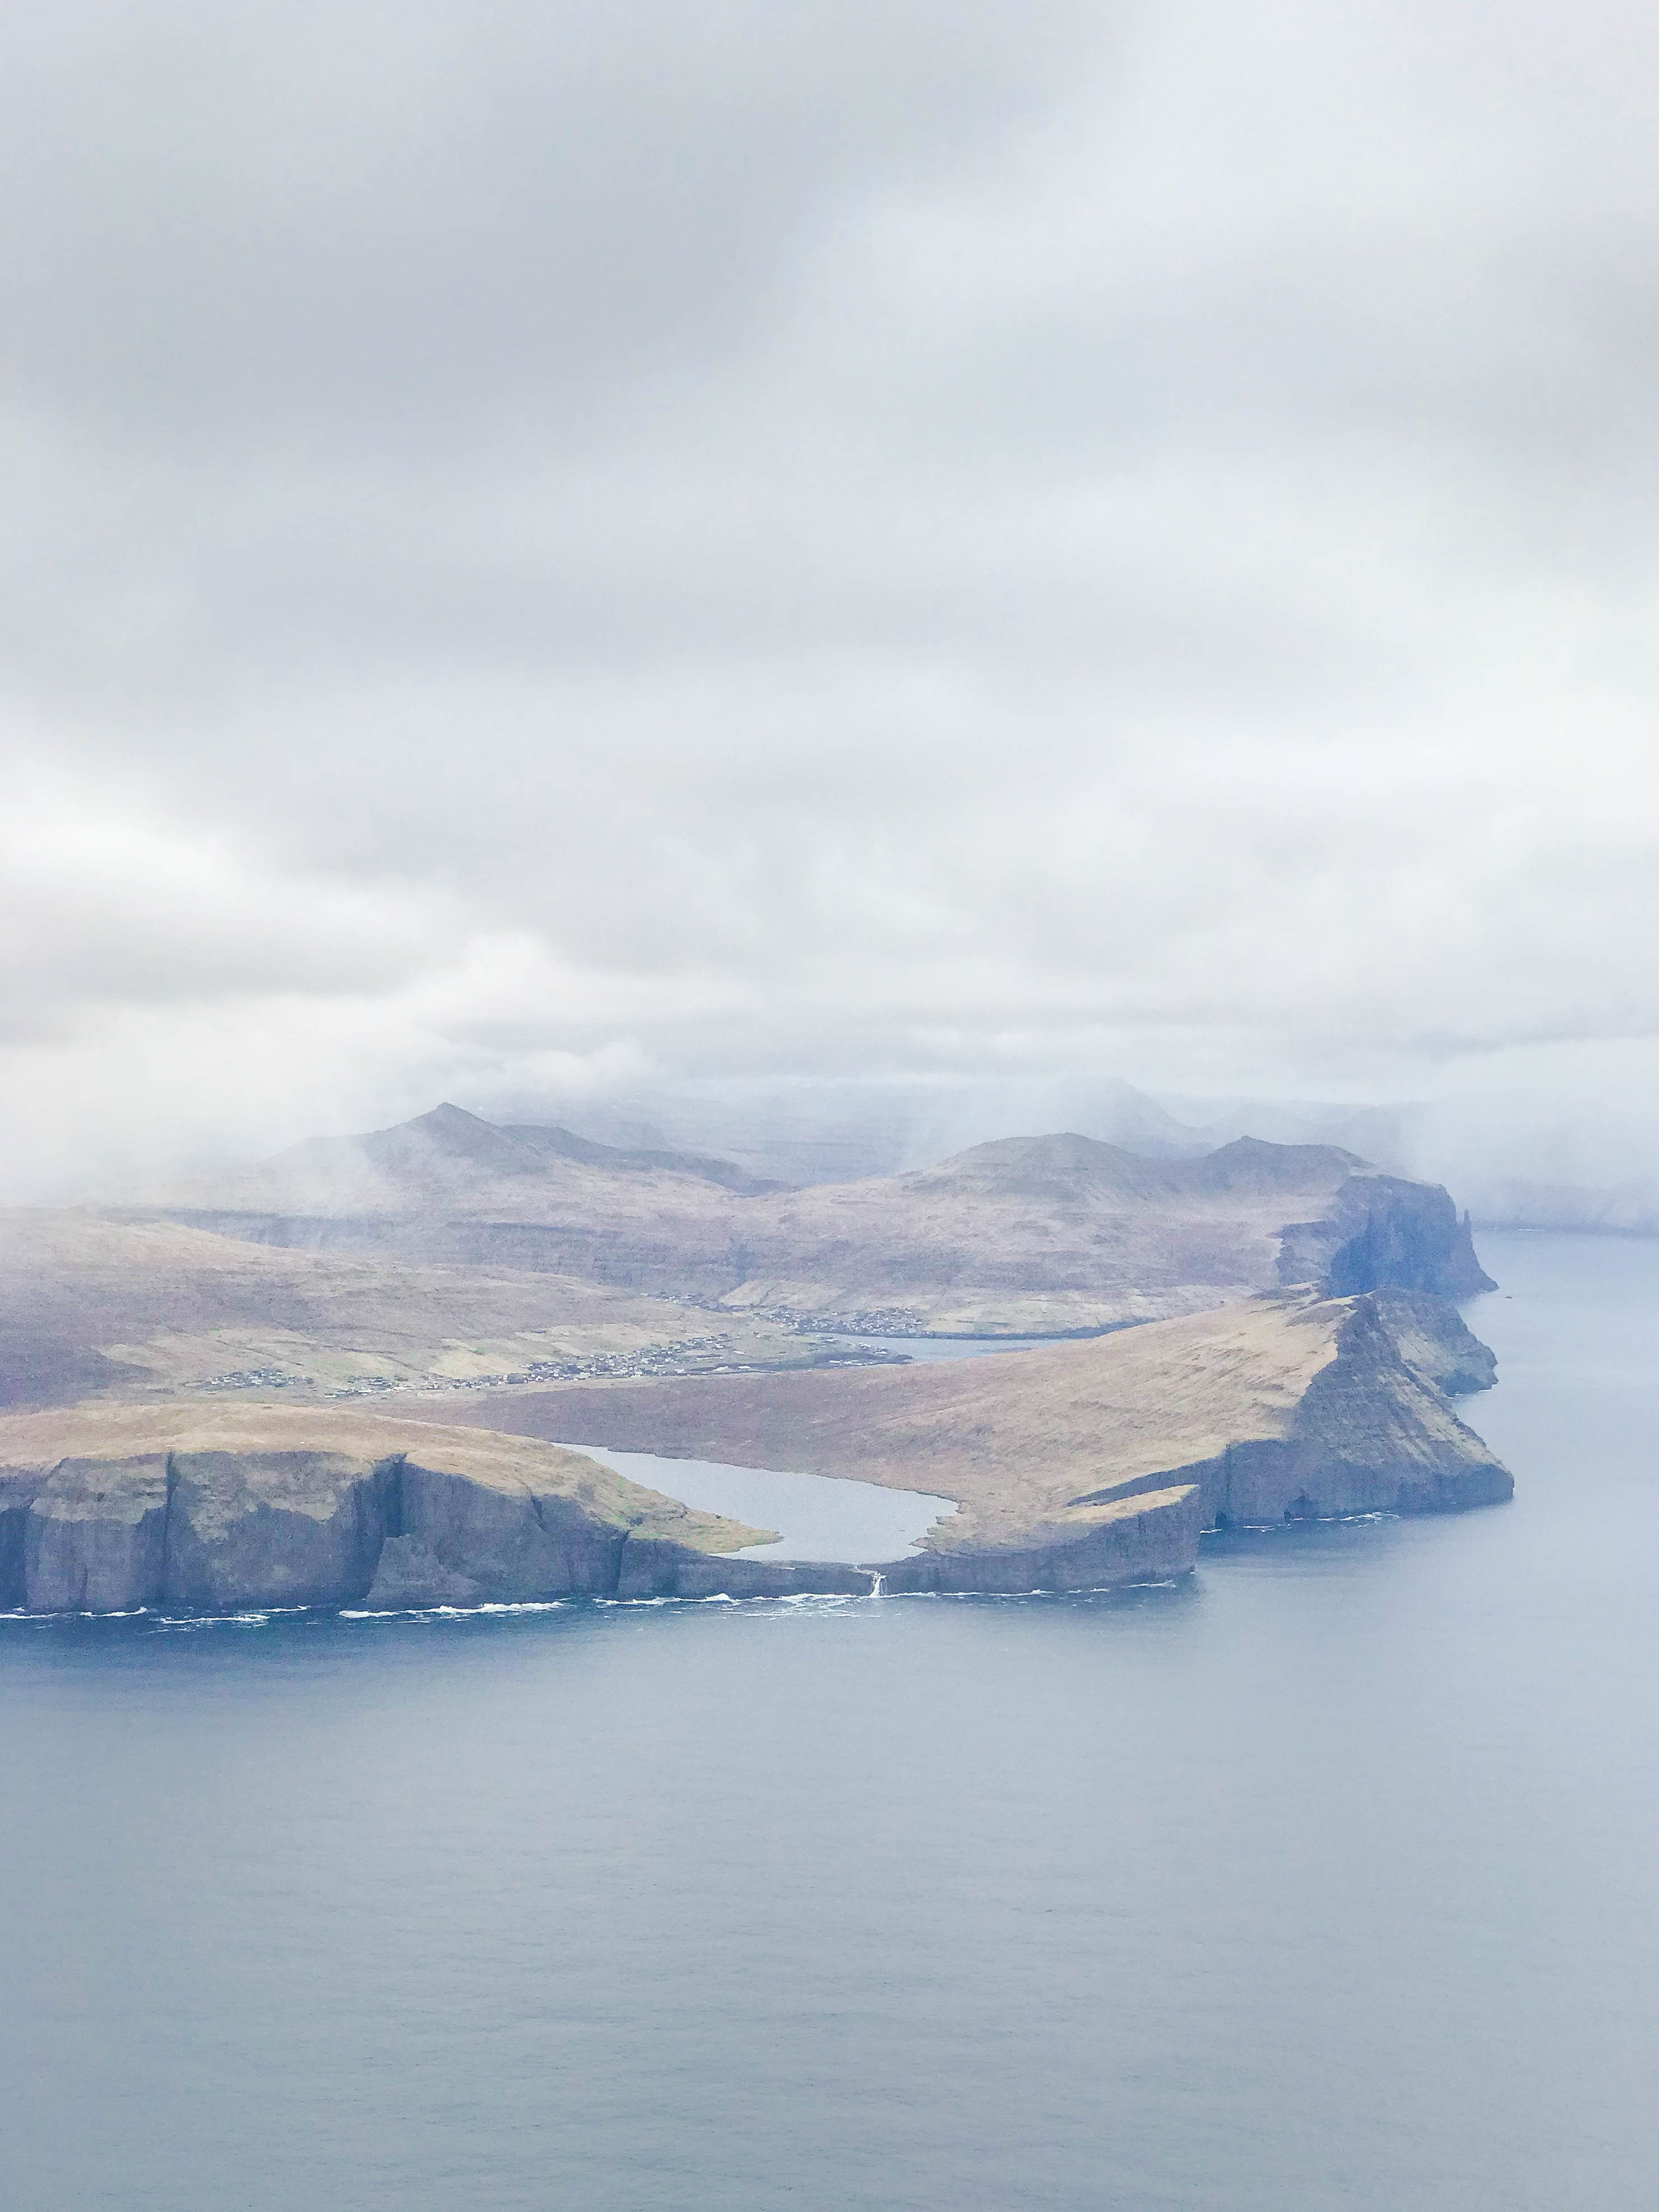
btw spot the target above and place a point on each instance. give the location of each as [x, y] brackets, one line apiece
[1323, 1877]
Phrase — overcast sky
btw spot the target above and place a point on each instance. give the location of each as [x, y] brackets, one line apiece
[585, 543]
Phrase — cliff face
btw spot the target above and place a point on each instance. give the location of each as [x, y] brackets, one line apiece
[1148, 1537]
[1380, 1232]
[1431, 1336]
[1079, 1466]
[222, 1530]
[1277, 1407]
[1370, 1434]
[262, 1506]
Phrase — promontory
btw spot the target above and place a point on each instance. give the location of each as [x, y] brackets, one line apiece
[1081, 1466]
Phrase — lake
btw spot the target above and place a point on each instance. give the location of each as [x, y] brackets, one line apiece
[1323, 1877]
[817, 1517]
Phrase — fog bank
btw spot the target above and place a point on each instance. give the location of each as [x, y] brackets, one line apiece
[592, 553]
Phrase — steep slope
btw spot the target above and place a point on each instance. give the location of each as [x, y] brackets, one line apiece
[1287, 1405]
[109, 1508]
[1075, 1468]
[106, 1509]
[450, 1159]
[454, 1190]
[1052, 1233]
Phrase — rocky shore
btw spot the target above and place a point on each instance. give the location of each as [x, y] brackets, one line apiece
[1281, 1407]
[107, 1509]
[1080, 1467]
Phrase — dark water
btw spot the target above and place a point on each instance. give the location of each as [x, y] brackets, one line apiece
[1325, 1879]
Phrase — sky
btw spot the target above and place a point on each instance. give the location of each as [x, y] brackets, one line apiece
[556, 550]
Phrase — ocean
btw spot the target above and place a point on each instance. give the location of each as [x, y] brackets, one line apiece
[1322, 1878]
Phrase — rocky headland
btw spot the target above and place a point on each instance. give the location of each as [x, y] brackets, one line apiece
[1260, 1334]
[1080, 1467]
[1285, 1407]
[107, 1509]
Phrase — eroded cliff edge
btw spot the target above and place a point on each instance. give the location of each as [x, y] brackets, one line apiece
[105, 1509]
[1081, 1466]
[1282, 1407]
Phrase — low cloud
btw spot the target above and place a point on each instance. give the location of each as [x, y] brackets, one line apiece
[549, 547]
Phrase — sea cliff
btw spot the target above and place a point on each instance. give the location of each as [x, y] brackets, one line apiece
[107, 1509]
[1080, 1467]
[1275, 1407]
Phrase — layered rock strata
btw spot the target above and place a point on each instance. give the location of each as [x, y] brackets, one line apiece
[108, 1509]
[1433, 1337]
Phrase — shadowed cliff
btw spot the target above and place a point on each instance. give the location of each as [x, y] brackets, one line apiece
[1283, 1407]
[107, 1508]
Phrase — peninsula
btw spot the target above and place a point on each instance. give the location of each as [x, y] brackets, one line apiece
[1261, 1334]
[1084, 1466]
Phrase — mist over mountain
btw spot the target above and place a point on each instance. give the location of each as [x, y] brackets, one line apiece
[838, 1131]
[804, 807]
[585, 553]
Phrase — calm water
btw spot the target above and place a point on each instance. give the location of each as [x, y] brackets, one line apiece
[816, 1517]
[955, 1347]
[1325, 1879]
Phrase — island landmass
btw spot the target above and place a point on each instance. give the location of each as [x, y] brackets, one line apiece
[1261, 1334]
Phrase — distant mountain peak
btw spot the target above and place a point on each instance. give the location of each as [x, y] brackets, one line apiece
[447, 1116]
[451, 1132]
[447, 1143]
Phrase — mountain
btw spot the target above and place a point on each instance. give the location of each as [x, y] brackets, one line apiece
[1041, 1234]
[1056, 1233]
[446, 1153]
[848, 1132]
[1380, 1132]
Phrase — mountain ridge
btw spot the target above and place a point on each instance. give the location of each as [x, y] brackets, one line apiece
[1058, 1234]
